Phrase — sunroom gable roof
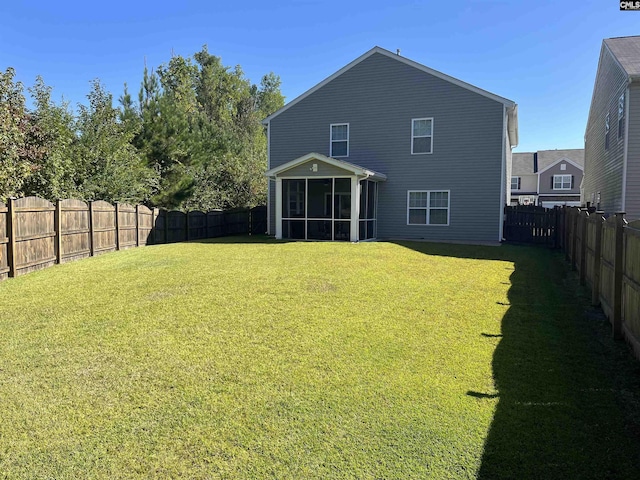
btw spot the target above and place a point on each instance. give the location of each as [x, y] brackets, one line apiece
[348, 167]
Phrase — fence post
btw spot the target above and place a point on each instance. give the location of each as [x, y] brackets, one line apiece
[166, 226]
[617, 277]
[567, 232]
[583, 248]
[187, 226]
[91, 227]
[57, 222]
[597, 258]
[137, 225]
[574, 239]
[11, 231]
[117, 226]
[555, 241]
[154, 218]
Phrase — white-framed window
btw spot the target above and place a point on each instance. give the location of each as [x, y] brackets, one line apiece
[621, 116]
[562, 182]
[606, 132]
[339, 140]
[428, 207]
[515, 183]
[421, 136]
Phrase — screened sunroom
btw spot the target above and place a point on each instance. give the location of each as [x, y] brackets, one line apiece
[321, 198]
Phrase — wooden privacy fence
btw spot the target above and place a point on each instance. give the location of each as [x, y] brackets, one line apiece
[35, 233]
[606, 254]
[531, 224]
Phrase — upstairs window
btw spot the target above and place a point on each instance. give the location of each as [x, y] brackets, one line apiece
[515, 183]
[421, 135]
[621, 116]
[339, 140]
[562, 182]
[606, 132]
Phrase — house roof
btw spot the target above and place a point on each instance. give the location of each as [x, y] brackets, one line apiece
[350, 167]
[546, 158]
[627, 52]
[510, 104]
[522, 164]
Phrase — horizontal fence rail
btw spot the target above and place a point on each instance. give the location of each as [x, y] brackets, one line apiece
[35, 233]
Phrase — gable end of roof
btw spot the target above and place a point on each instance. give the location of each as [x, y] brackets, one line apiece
[378, 50]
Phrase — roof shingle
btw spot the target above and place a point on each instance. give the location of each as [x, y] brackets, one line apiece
[627, 51]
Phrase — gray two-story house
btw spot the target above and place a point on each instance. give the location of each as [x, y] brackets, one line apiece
[388, 148]
[547, 178]
[612, 138]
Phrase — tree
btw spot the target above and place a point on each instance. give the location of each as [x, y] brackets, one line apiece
[109, 166]
[14, 123]
[50, 141]
[201, 130]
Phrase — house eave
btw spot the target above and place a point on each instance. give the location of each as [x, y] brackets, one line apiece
[348, 167]
[563, 159]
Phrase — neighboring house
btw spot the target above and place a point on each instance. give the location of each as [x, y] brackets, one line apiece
[612, 138]
[389, 148]
[524, 179]
[547, 178]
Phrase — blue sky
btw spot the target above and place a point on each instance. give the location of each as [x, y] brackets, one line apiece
[541, 54]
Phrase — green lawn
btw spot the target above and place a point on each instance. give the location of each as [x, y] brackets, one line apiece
[239, 358]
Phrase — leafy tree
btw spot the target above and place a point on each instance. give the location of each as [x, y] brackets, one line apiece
[109, 166]
[50, 141]
[14, 123]
[201, 130]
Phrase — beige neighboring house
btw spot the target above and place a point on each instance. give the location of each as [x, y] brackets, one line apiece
[547, 178]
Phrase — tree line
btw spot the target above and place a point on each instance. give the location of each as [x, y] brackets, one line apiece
[192, 139]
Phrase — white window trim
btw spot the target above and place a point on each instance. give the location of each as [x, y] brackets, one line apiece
[422, 136]
[561, 182]
[517, 181]
[331, 140]
[621, 115]
[428, 207]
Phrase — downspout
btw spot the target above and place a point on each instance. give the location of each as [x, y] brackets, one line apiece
[503, 173]
[269, 179]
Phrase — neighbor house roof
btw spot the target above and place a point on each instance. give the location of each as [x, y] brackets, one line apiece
[522, 164]
[627, 52]
[510, 104]
[547, 158]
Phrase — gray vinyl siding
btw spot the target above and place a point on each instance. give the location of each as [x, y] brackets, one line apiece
[547, 176]
[528, 185]
[378, 98]
[632, 206]
[604, 168]
[324, 170]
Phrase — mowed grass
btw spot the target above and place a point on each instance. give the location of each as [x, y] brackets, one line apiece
[251, 358]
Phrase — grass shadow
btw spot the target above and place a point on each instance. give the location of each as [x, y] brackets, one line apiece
[568, 396]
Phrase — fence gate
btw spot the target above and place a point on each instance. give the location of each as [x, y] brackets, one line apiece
[531, 224]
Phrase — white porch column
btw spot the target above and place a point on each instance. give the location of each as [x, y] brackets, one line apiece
[355, 208]
[278, 208]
